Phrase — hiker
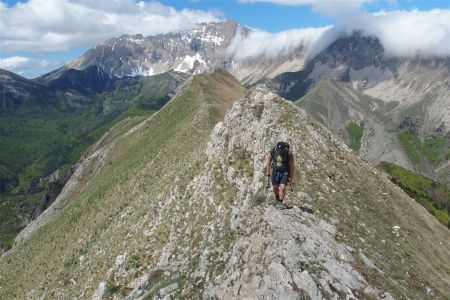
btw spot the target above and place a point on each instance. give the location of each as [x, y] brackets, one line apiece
[281, 160]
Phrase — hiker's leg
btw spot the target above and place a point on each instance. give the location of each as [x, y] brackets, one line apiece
[282, 191]
[275, 184]
[276, 190]
[283, 184]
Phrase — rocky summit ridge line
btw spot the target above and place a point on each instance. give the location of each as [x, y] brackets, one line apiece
[201, 49]
[178, 209]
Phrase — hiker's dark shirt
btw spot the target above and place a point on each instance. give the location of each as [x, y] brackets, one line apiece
[290, 155]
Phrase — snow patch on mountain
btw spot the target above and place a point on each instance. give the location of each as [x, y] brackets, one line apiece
[141, 71]
[136, 40]
[188, 63]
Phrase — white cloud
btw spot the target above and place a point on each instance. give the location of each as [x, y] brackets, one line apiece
[326, 7]
[28, 67]
[411, 33]
[57, 25]
[402, 34]
[273, 44]
[13, 62]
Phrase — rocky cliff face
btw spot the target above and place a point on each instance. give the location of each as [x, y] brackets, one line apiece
[408, 87]
[178, 209]
[336, 105]
[390, 131]
[360, 60]
[194, 51]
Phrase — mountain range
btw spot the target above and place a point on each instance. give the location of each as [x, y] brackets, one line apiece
[403, 100]
[102, 153]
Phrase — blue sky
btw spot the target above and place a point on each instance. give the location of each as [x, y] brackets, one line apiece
[37, 36]
[274, 17]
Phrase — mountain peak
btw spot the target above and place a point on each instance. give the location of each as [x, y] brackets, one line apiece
[356, 51]
[193, 51]
[15, 90]
[220, 90]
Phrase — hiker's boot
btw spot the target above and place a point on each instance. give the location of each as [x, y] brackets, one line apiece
[276, 202]
[281, 205]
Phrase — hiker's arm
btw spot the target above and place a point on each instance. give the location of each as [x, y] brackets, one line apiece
[291, 170]
[268, 161]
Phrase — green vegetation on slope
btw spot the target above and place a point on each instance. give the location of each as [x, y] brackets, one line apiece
[433, 148]
[34, 144]
[356, 132]
[13, 208]
[38, 140]
[434, 196]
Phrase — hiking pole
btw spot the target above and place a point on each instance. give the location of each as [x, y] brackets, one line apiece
[268, 183]
[290, 183]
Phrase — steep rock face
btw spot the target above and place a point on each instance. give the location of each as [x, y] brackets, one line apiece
[194, 51]
[390, 131]
[336, 105]
[419, 86]
[416, 85]
[401, 102]
[353, 81]
[173, 214]
[201, 49]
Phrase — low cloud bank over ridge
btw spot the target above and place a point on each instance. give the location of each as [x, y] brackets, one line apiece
[402, 34]
[58, 25]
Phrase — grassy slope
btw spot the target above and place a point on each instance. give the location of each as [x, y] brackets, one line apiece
[38, 140]
[324, 104]
[140, 164]
[329, 102]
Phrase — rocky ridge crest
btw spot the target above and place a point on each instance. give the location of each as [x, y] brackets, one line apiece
[251, 250]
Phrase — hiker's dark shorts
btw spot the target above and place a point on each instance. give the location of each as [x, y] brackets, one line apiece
[280, 177]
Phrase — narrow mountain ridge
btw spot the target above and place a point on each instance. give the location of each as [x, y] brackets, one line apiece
[178, 209]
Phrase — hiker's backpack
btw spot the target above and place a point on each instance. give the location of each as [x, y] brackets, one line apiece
[280, 157]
